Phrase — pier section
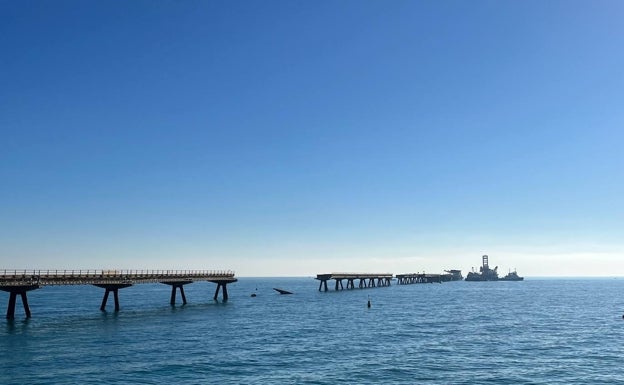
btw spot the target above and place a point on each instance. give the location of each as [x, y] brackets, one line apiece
[19, 282]
[364, 280]
[412, 278]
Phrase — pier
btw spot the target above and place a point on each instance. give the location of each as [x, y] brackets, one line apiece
[412, 278]
[19, 282]
[364, 280]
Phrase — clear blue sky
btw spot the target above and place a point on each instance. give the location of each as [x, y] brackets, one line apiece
[302, 137]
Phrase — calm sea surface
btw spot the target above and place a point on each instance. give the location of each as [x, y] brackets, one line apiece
[540, 331]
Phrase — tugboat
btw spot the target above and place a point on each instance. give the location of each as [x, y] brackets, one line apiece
[512, 276]
[485, 273]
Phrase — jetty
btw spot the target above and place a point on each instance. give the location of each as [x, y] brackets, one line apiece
[365, 280]
[412, 278]
[19, 282]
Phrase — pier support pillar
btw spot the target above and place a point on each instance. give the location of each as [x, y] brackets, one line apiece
[222, 283]
[13, 292]
[339, 285]
[114, 287]
[11, 309]
[174, 287]
[324, 278]
[225, 293]
[25, 303]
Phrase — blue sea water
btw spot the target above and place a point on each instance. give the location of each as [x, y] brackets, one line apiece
[540, 331]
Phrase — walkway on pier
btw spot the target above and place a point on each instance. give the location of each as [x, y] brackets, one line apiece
[19, 282]
[365, 280]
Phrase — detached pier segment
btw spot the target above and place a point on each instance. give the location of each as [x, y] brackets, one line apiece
[20, 282]
[365, 280]
[412, 278]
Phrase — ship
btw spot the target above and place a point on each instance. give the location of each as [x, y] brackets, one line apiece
[512, 276]
[485, 273]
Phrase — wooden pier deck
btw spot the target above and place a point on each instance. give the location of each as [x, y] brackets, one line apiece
[365, 280]
[21, 281]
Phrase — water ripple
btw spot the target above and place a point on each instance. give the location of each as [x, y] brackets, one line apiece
[532, 332]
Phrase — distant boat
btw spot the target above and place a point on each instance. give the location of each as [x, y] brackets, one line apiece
[512, 276]
[281, 291]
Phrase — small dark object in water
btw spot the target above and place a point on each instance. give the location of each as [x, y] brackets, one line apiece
[369, 303]
[281, 291]
[253, 295]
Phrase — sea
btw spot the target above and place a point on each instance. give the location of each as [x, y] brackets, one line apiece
[538, 331]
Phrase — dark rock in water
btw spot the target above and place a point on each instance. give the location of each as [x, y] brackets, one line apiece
[282, 291]
[253, 295]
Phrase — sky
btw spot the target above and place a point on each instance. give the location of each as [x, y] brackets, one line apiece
[292, 138]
